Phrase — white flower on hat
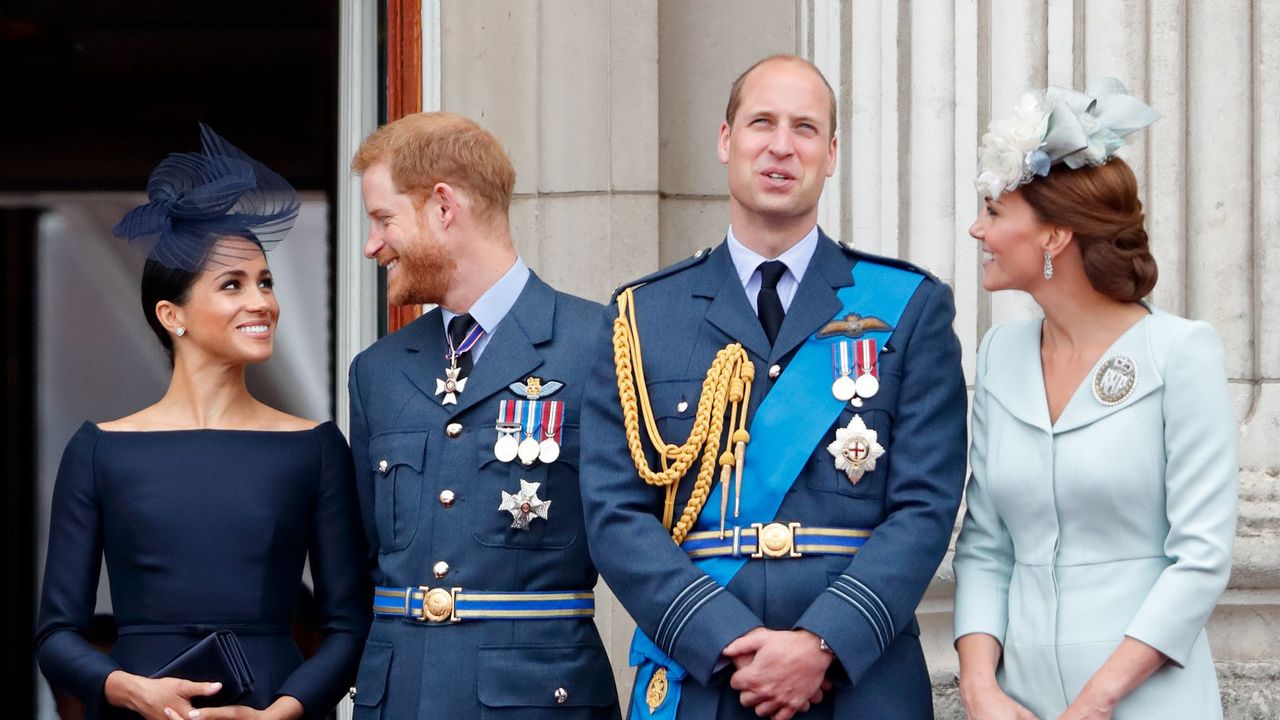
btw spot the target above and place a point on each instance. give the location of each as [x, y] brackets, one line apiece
[1054, 126]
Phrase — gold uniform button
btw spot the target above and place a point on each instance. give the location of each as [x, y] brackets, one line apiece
[447, 497]
[453, 430]
[775, 371]
[383, 466]
[561, 695]
[440, 569]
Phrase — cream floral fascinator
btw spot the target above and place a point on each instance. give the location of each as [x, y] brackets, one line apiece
[1057, 125]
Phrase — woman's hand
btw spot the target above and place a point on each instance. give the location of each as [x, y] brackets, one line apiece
[284, 708]
[1085, 708]
[984, 700]
[155, 698]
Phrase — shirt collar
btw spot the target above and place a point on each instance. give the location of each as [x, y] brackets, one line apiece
[497, 301]
[796, 258]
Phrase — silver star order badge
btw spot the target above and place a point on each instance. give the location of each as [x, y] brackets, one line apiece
[450, 386]
[855, 449]
[524, 506]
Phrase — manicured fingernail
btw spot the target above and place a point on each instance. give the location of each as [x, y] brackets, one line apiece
[193, 714]
[216, 685]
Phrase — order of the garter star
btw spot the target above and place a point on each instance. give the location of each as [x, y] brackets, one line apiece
[855, 449]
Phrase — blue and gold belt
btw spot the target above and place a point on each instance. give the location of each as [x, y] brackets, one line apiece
[439, 604]
[774, 540]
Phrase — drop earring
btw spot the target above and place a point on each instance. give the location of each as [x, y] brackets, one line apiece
[1048, 265]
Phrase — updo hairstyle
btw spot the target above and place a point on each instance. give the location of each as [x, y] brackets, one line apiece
[1100, 204]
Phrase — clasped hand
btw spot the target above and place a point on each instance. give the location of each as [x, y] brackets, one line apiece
[779, 673]
[170, 699]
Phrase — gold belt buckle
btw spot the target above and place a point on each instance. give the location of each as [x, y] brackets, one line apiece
[438, 604]
[776, 540]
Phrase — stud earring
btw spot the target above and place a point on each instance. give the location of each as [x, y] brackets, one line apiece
[183, 331]
[1048, 265]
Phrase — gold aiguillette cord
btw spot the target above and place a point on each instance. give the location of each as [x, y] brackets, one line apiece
[727, 387]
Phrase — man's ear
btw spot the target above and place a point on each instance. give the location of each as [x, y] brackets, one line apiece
[447, 203]
[722, 147]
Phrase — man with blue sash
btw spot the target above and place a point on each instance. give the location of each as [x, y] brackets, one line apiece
[465, 434]
[775, 445]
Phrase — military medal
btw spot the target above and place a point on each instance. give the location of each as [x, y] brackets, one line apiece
[552, 422]
[531, 422]
[868, 382]
[1115, 380]
[855, 449]
[850, 360]
[524, 506]
[843, 388]
[508, 443]
[452, 385]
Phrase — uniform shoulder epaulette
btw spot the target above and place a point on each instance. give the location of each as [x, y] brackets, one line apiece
[886, 260]
[695, 259]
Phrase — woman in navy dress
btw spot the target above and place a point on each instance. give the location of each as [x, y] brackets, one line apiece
[206, 504]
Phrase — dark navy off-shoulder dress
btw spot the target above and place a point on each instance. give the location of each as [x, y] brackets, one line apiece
[201, 530]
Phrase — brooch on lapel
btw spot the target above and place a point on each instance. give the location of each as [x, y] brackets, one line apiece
[524, 506]
[1115, 379]
[855, 449]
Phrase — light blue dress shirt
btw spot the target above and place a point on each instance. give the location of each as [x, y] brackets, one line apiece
[747, 263]
[494, 304]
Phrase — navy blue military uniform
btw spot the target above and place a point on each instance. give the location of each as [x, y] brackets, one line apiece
[430, 488]
[863, 607]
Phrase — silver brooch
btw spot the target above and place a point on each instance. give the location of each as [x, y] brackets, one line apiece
[1115, 380]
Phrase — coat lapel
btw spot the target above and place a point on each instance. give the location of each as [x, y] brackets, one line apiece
[1014, 377]
[1085, 408]
[730, 311]
[426, 348]
[815, 302]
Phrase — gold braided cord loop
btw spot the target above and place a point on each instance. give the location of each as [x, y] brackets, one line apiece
[728, 383]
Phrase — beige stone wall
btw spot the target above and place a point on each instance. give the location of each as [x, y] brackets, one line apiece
[610, 110]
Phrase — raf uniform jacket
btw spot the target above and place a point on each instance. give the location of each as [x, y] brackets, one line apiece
[685, 314]
[484, 668]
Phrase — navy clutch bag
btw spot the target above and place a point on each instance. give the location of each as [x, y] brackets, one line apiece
[216, 658]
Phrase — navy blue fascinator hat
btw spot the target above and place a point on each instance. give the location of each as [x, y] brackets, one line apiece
[195, 199]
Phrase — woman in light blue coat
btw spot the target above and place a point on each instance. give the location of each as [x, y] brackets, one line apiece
[1102, 504]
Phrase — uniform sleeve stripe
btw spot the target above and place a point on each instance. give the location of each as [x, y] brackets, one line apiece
[856, 596]
[888, 618]
[867, 615]
[675, 637]
[681, 614]
[672, 609]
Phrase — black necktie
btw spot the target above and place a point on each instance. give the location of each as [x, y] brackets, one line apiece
[458, 328]
[768, 304]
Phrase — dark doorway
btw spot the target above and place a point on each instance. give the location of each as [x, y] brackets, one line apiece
[94, 95]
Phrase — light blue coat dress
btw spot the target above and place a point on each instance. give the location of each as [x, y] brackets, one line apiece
[1115, 520]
